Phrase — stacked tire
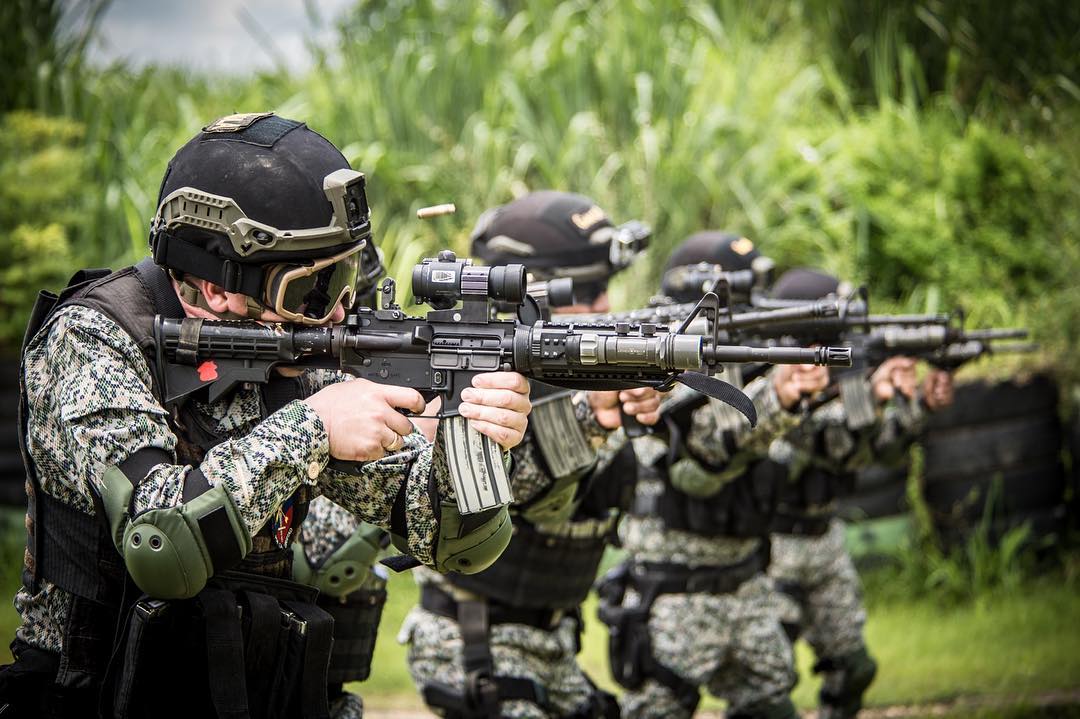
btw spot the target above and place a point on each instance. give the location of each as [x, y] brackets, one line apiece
[1002, 441]
[877, 512]
[12, 478]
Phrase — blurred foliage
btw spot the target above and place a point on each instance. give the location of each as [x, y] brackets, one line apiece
[983, 55]
[41, 181]
[42, 50]
[826, 132]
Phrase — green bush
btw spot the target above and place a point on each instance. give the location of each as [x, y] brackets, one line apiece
[41, 183]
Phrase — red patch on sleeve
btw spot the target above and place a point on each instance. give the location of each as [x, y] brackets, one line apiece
[207, 370]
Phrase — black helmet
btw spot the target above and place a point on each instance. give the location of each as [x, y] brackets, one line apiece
[708, 250]
[559, 234]
[266, 207]
[802, 283]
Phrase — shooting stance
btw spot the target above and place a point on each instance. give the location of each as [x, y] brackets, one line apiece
[159, 532]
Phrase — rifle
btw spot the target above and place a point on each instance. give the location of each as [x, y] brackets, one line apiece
[946, 347]
[438, 354]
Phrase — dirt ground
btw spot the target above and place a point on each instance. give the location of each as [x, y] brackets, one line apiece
[1041, 705]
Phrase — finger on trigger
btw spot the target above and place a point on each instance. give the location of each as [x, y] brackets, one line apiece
[397, 422]
[405, 398]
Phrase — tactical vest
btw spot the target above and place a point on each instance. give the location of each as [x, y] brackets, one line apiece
[555, 567]
[240, 627]
[742, 508]
[804, 505]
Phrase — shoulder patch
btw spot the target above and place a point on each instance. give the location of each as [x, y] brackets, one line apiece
[235, 123]
[742, 246]
[587, 219]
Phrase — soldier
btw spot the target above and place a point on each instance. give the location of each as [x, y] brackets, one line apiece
[503, 642]
[818, 587]
[690, 608]
[167, 526]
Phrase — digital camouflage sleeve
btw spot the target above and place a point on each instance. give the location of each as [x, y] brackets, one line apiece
[91, 405]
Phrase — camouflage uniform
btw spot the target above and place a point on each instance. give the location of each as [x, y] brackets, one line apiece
[819, 587]
[732, 644]
[547, 657]
[91, 405]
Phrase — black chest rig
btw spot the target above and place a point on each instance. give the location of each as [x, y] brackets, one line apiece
[804, 505]
[553, 567]
[236, 649]
[742, 507]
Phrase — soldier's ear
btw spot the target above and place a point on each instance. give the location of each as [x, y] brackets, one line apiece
[217, 300]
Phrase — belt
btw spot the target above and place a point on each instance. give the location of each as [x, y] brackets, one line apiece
[802, 525]
[664, 578]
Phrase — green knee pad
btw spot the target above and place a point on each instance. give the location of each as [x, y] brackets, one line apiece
[471, 543]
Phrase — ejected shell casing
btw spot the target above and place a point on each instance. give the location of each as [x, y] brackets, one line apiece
[426, 213]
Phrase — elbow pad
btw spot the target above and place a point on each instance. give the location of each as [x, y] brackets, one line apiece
[470, 543]
[170, 553]
[346, 569]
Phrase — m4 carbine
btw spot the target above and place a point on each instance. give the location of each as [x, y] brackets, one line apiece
[438, 354]
[946, 347]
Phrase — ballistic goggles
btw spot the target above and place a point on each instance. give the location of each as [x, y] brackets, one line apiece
[302, 290]
[308, 294]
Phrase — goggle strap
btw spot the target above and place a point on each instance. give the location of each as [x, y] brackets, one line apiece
[188, 258]
[194, 297]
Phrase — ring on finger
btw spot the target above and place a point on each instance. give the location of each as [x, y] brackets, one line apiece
[395, 444]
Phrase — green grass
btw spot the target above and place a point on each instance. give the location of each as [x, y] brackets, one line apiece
[1009, 647]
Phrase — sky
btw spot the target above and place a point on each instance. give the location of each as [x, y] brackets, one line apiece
[213, 34]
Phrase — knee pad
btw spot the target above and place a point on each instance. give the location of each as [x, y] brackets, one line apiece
[856, 673]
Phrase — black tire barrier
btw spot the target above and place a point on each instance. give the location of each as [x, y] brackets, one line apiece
[1005, 435]
[880, 491]
[12, 477]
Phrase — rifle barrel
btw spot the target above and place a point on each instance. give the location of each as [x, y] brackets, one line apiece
[1017, 333]
[824, 356]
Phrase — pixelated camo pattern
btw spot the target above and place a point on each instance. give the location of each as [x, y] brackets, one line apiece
[546, 657]
[326, 528]
[731, 645]
[825, 439]
[829, 605]
[530, 479]
[714, 427]
[91, 405]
